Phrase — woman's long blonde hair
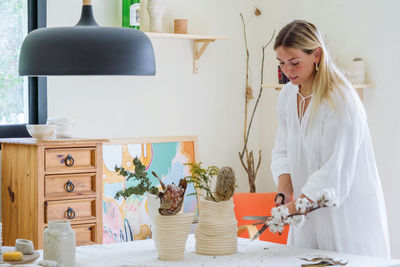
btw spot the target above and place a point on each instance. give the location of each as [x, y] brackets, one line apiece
[328, 81]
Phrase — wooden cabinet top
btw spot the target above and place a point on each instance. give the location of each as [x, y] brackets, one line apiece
[33, 141]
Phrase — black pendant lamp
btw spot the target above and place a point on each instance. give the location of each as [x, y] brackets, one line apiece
[86, 49]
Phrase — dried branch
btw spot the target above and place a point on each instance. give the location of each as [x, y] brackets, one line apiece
[249, 165]
[259, 94]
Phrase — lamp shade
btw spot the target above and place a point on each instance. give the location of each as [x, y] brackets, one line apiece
[86, 49]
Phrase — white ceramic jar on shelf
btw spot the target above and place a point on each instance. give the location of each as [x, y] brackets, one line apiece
[356, 74]
[156, 10]
[59, 243]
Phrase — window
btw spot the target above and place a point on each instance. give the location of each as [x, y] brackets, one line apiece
[22, 100]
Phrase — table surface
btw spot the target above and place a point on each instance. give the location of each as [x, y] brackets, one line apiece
[250, 253]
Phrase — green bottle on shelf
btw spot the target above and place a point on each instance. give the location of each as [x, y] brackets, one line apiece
[131, 14]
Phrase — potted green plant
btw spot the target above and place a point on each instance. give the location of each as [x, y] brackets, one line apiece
[143, 186]
[217, 229]
[170, 228]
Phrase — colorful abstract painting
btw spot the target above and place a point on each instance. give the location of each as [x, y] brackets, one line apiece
[128, 220]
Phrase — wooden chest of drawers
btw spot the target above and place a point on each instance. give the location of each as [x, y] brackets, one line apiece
[45, 180]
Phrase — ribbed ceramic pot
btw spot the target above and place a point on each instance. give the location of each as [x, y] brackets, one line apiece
[216, 233]
[170, 235]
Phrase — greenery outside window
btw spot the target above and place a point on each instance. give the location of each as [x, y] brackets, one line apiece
[22, 100]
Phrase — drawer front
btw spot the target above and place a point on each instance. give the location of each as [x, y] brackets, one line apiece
[85, 234]
[73, 185]
[73, 210]
[70, 159]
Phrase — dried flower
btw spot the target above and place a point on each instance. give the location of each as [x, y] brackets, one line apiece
[249, 93]
[226, 183]
[172, 198]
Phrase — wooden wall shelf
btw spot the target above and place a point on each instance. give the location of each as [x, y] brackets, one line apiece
[359, 87]
[200, 43]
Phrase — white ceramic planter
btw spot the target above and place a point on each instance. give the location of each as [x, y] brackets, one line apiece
[170, 235]
[153, 204]
[216, 233]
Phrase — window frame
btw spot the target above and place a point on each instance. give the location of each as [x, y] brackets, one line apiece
[37, 86]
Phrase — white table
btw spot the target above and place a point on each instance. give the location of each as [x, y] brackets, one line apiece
[250, 253]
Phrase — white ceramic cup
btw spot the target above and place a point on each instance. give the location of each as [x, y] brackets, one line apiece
[24, 246]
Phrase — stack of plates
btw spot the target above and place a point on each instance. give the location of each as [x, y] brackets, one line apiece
[217, 230]
[63, 126]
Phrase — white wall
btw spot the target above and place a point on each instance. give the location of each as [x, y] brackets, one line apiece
[210, 104]
[174, 102]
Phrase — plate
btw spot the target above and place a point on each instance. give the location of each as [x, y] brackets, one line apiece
[25, 259]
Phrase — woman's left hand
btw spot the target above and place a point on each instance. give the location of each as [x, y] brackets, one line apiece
[291, 206]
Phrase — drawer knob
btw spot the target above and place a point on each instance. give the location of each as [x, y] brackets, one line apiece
[69, 161]
[70, 213]
[69, 186]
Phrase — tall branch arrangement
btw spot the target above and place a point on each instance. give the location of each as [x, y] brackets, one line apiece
[248, 162]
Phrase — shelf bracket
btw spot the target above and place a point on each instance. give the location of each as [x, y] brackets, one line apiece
[199, 46]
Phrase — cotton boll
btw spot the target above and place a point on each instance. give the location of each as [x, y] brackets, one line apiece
[275, 226]
[302, 204]
[297, 220]
[284, 211]
[327, 197]
[276, 222]
[272, 227]
[275, 212]
[280, 212]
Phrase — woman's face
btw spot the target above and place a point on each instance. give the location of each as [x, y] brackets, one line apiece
[298, 66]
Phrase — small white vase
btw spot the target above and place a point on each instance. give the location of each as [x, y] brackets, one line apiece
[59, 243]
[216, 233]
[171, 232]
[356, 74]
[153, 204]
[156, 10]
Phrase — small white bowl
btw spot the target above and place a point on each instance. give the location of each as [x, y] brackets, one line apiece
[41, 131]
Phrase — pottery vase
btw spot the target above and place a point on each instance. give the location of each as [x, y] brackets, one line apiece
[216, 233]
[171, 232]
[156, 10]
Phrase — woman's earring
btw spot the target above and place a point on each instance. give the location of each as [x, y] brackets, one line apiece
[316, 66]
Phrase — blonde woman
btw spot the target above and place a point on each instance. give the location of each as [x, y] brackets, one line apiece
[323, 143]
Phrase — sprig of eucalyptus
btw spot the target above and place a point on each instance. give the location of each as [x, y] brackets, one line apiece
[140, 175]
[201, 178]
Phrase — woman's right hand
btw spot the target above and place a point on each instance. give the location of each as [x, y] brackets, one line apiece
[278, 199]
[285, 188]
